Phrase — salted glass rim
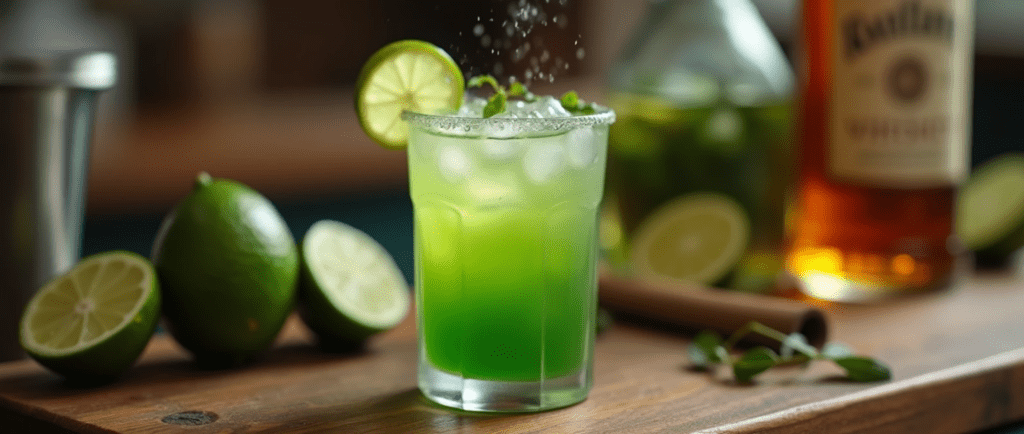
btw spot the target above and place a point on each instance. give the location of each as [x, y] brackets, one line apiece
[451, 124]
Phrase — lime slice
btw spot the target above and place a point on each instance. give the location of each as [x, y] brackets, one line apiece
[93, 322]
[350, 287]
[695, 238]
[990, 207]
[405, 75]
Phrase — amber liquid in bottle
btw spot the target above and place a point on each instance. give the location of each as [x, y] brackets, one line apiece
[863, 239]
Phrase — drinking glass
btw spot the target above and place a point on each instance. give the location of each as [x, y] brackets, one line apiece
[506, 213]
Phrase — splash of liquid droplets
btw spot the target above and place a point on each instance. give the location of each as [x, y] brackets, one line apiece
[527, 52]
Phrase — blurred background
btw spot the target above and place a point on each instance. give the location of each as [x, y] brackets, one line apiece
[260, 91]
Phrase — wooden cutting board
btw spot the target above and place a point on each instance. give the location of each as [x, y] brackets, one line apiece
[956, 358]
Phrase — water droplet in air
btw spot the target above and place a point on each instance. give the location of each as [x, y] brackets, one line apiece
[561, 20]
[485, 41]
[478, 29]
[580, 53]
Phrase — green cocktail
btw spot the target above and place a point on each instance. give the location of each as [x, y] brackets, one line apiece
[506, 248]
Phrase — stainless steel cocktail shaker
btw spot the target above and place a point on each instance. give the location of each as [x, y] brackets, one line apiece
[47, 108]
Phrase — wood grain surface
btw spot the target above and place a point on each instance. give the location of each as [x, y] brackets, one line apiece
[956, 358]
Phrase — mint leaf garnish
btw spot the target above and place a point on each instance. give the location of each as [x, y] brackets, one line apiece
[516, 89]
[570, 101]
[481, 80]
[707, 350]
[495, 104]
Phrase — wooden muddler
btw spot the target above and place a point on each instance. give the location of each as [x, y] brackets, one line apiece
[699, 308]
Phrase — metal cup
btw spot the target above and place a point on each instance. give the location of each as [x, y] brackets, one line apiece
[47, 106]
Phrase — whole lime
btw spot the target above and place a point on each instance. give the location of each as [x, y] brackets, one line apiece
[229, 268]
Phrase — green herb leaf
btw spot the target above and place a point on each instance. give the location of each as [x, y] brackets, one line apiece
[698, 358]
[481, 80]
[705, 343]
[863, 369]
[836, 350]
[708, 348]
[796, 342]
[588, 109]
[495, 104]
[517, 89]
[570, 101]
[753, 362]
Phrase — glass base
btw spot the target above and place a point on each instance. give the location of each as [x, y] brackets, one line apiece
[502, 396]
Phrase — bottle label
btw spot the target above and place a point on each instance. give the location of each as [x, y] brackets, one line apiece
[900, 89]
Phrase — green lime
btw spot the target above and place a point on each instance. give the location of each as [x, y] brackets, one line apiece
[91, 323]
[350, 286]
[990, 208]
[229, 270]
[405, 75]
[696, 238]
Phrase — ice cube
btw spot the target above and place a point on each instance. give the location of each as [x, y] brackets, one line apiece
[544, 107]
[500, 149]
[543, 162]
[580, 147]
[453, 163]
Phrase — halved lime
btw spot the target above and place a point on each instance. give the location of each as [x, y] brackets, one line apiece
[351, 287]
[696, 238]
[990, 207]
[93, 322]
[405, 75]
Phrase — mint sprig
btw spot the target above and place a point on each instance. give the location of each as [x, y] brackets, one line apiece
[708, 350]
[497, 103]
[572, 102]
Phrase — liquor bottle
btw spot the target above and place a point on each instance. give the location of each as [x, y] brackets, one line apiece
[884, 90]
[702, 95]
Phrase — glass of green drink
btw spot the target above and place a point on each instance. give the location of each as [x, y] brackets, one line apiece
[505, 253]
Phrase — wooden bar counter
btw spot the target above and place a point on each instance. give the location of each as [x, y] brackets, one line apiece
[957, 359]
